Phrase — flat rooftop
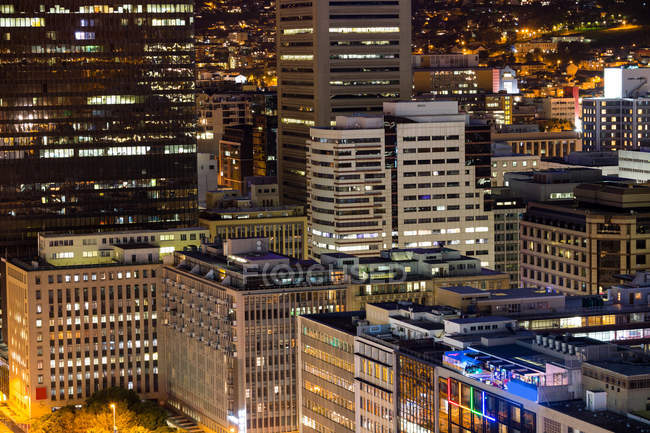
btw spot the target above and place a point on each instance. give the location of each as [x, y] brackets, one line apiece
[604, 419]
[344, 322]
[42, 265]
[623, 368]
[58, 234]
[466, 290]
[485, 319]
[522, 293]
[135, 246]
[424, 324]
[521, 355]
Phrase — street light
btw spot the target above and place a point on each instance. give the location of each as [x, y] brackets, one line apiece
[114, 426]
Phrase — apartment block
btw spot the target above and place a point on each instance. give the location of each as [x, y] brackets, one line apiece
[581, 246]
[335, 58]
[348, 205]
[229, 329]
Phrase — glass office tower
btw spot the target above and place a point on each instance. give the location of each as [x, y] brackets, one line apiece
[97, 117]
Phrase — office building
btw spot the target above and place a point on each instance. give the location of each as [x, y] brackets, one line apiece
[216, 111]
[464, 80]
[89, 143]
[615, 124]
[413, 275]
[434, 195]
[230, 329]
[550, 185]
[542, 144]
[284, 226]
[70, 249]
[634, 164]
[508, 209]
[581, 246]
[334, 59]
[504, 160]
[75, 329]
[236, 160]
[567, 109]
[407, 379]
[348, 204]
[619, 119]
[438, 166]
[257, 214]
[326, 373]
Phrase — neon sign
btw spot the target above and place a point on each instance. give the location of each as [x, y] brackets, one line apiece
[471, 400]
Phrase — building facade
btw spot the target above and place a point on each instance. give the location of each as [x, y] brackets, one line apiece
[579, 247]
[75, 330]
[230, 329]
[335, 58]
[284, 226]
[542, 144]
[435, 198]
[615, 124]
[348, 206]
[634, 164]
[87, 144]
[67, 249]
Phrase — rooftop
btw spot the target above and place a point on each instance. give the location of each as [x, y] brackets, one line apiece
[421, 323]
[485, 319]
[624, 368]
[134, 246]
[604, 419]
[58, 234]
[344, 322]
[42, 265]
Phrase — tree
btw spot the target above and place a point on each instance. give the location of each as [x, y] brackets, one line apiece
[96, 416]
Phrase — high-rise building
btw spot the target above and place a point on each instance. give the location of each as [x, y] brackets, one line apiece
[335, 58]
[427, 162]
[347, 183]
[435, 198]
[230, 329]
[87, 142]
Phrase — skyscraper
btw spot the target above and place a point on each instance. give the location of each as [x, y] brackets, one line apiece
[335, 58]
[97, 118]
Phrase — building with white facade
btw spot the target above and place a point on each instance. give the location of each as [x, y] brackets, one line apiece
[634, 164]
[434, 198]
[417, 192]
[347, 185]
